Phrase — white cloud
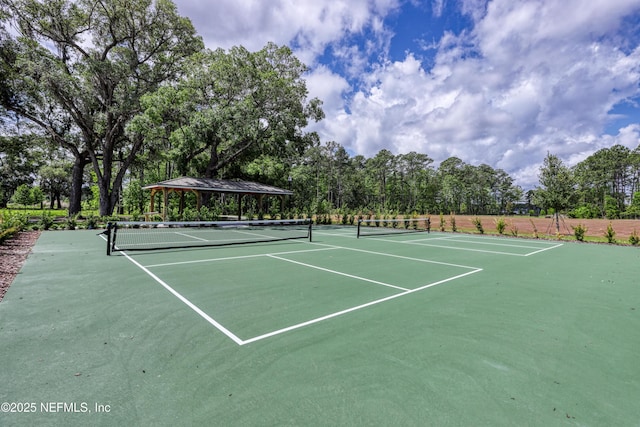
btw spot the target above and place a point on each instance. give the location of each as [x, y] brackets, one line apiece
[309, 25]
[532, 77]
[529, 77]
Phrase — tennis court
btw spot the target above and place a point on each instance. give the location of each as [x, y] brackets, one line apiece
[401, 329]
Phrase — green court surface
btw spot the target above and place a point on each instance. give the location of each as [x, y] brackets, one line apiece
[420, 329]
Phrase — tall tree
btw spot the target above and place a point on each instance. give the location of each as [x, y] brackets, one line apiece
[232, 107]
[557, 186]
[81, 68]
[380, 168]
[413, 168]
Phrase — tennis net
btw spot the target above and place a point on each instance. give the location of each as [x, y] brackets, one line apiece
[145, 236]
[380, 227]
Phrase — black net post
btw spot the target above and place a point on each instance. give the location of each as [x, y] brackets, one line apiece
[108, 233]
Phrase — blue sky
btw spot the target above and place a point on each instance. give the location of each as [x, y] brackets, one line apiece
[500, 82]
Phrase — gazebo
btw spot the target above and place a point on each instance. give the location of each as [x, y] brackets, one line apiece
[200, 186]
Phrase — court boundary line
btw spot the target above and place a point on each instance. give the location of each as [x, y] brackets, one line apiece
[478, 242]
[239, 341]
[186, 301]
[352, 309]
[448, 264]
[421, 242]
[454, 238]
[196, 261]
[337, 272]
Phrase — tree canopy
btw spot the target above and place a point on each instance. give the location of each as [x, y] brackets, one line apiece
[77, 71]
[127, 88]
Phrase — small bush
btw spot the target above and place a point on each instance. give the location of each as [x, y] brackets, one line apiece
[501, 225]
[92, 221]
[7, 233]
[452, 220]
[136, 215]
[634, 239]
[72, 222]
[443, 222]
[579, 232]
[610, 234]
[514, 230]
[478, 224]
[46, 221]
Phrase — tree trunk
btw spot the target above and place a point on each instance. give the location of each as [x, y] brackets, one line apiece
[77, 179]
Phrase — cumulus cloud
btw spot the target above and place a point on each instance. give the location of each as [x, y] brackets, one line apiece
[309, 26]
[529, 78]
[525, 78]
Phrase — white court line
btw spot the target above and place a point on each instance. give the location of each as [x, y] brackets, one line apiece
[352, 309]
[545, 249]
[191, 305]
[420, 243]
[191, 237]
[478, 242]
[338, 273]
[241, 342]
[196, 261]
[464, 249]
[398, 256]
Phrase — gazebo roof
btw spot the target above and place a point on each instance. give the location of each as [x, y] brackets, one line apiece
[218, 186]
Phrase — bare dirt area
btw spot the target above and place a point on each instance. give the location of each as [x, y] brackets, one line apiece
[528, 226]
[13, 254]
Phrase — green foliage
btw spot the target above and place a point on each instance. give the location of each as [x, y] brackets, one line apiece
[452, 221]
[443, 222]
[23, 195]
[557, 186]
[37, 196]
[13, 219]
[20, 158]
[71, 222]
[579, 231]
[478, 224]
[237, 114]
[633, 210]
[7, 233]
[134, 46]
[611, 209]
[501, 225]
[134, 197]
[46, 220]
[91, 221]
[584, 212]
[634, 238]
[610, 233]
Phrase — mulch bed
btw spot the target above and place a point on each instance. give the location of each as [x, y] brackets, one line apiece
[13, 254]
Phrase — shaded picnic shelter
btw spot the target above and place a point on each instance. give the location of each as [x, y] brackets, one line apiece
[202, 186]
